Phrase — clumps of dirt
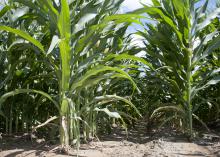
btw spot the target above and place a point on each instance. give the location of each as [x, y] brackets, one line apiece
[164, 143]
[155, 148]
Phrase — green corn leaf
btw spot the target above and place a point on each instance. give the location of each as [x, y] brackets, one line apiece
[23, 35]
[99, 69]
[208, 19]
[4, 10]
[107, 98]
[156, 2]
[213, 81]
[109, 113]
[160, 16]
[64, 45]
[121, 18]
[55, 41]
[214, 44]
[167, 108]
[20, 91]
[199, 49]
[129, 57]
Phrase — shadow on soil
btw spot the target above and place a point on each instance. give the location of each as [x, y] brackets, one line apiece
[25, 146]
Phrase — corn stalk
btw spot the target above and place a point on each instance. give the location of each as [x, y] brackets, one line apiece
[71, 42]
[180, 38]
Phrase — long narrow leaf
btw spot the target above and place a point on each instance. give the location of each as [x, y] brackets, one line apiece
[23, 35]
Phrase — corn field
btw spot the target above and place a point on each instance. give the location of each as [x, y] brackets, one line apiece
[70, 68]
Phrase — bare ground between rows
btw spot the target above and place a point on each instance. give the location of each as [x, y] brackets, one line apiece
[165, 143]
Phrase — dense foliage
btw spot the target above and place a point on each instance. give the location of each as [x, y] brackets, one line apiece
[71, 68]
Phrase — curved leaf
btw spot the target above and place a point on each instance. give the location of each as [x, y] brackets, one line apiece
[23, 35]
[20, 91]
[99, 69]
[165, 108]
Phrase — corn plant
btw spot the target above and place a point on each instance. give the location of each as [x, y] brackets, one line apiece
[72, 40]
[179, 44]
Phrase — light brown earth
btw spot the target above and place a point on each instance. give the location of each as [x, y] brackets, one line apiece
[165, 143]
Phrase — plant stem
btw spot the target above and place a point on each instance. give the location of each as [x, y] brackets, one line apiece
[10, 120]
[189, 105]
[64, 130]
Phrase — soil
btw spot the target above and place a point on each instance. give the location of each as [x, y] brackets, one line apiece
[163, 143]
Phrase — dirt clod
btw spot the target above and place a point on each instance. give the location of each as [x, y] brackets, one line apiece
[115, 145]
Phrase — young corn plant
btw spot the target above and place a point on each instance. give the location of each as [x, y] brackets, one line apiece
[72, 42]
[179, 44]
